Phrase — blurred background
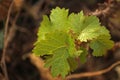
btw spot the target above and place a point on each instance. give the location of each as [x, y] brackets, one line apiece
[24, 21]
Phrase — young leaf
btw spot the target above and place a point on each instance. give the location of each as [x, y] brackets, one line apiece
[91, 30]
[53, 41]
[76, 22]
[91, 33]
[87, 27]
[83, 55]
[45, 28]
[73, 63]
[58, 63]
[101, 45]
[61, 46]
[59, 18]
[58, 21]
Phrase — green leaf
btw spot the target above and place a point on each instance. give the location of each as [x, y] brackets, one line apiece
[53, 41]
[61, 46]
[91, 30]
[58, 21]
[87, 27]
[76, 21]
[58, 63]
[83, 55]
[101, 45]
[59, 18]
[73, 63]
[45, 28]
[91, 33]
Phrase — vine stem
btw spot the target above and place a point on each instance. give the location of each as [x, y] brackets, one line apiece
[3, 63]
[91, 74]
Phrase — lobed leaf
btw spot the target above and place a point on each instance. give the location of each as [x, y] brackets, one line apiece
[76, 21]
[61, 46]
[101, 45]
[58, 63]
[44, 29]
[92, 32]
[72, 63]
[83, 55]
[54, 41]
[59, 18]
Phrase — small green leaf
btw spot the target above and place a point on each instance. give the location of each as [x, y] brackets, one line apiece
[45, 27]
[59, 18]
[73, 63]
[83, 55]
[91, 29]
[58, 63]
[61, 46]
[76, 21]
[86, 27]
[53, 41]
[101, 45]
[91, 33]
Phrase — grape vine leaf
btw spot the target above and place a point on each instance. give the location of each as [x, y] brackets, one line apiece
[59, 18]
[54, 41]
[88, 27]
[58, 44]
[58, 21]
[45, 28]
[92, 32]
[83, 55]
[76, 21]
[58, 63]
[101, 45]
[73, 63]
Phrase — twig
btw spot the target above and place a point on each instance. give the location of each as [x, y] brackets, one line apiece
[101, 12]
[3, 64]
[107, 11]
[91, 74]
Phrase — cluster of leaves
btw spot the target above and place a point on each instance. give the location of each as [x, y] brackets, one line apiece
[59, 36]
